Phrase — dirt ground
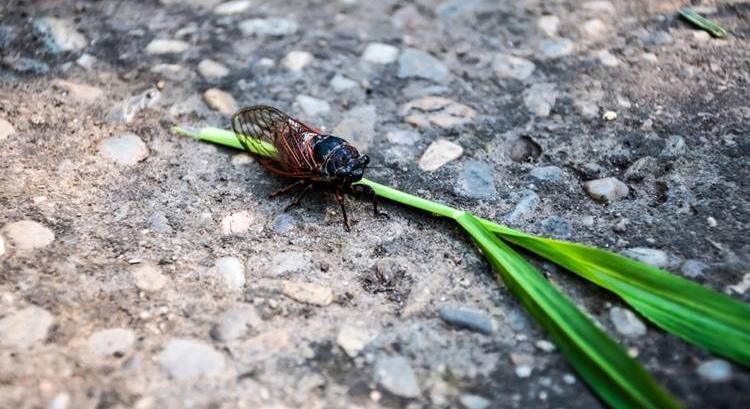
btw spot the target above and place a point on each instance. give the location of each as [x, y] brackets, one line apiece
[147, 270]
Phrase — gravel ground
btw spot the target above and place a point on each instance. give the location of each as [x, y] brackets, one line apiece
[142, 269]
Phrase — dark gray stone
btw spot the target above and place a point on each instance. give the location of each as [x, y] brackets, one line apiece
[468, 318]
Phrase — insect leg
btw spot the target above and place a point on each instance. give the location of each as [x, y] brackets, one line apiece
[373, 198]
[287, 188]
[299, 197]
[340, 199]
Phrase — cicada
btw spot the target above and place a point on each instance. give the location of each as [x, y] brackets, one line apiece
[289, 148]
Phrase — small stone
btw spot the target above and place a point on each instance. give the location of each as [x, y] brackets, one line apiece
[606, 58]
[438, 154]
[105, 343]
[164, 46]
[701, 36]
[358, 126]
[476, 181]
[60, 401]
[545, 345]
[508, 66]
[297, 60]
[524, 207]
[415, 63]
[715, 370]
[125, 111]
[439, 111]
[237, 223]
[307, 293]
[158, 222]
[2, 246]
[652, 257]
[548, 25]
[60, 35]
[339, 83]
[241, 159]
[86, 61]
[283, 223]
[693, 268]
[148, 276]
[658, 37]
[649, 58]
[269, 27]
[231, 271]
[403, 137]
[313, 107]
[468, 318]
[232, 7]
[546, 174]
[557, 228]
[395, 374]
[626, 323]
[594, 28]
[126, 150]
[607, 189]
[24, 328]
[523, 364]
[599, 7]
[28, 235]
[711, 221]
[609, 116]
[742, 286]
[80, 92]
[474, 402]
[6, 129]
[186, 359]
[675, 147]
[235, 323]
[288, 263]
[353, 339]
[221, 101]
[540, 98]
[212, 70]
[380, 53]
[643, 168]
[556, 47]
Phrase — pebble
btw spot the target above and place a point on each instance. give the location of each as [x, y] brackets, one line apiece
[594, 28]
[476, 181]
[283, 223]
[221, 101]
[557, 228]
[474, 402]
[358, 126]
[468, 318]
[643, 168]
[235, 323]
[652, 257]
[415, 63]
[60, 401]
[556, 47]
[297, 60]
[523, 364]
[599, 7]
[107, 342]
[148, 276]
[353, 339]
[6, 129]
[395, 374]
[693, 268]
[24, 328]
[403, 137]
[127, 149]
[380, 53]
[80, 92]
[455, 8]
[439, 153]
[626, 322]
[125, 111]
[742, 286]
[158, 222]
[548, 25]
[609, 116]
[186, 359]
[212, 70]
[269, 26]
[439, 111]
[288, 263]
[86, 61]
[658, 37]
[606, 58]
[60, 35]
[231, 271]
[237, 223]
[164, 46]
[509, 66]
[546, 174]
[307, 293]
[715, 370]
[339, 83]
[313, 107]
[607, 189]
[545, 345]
[674, 148]
[28, 235]
[2, 246]
[540, 98]
[232, 7]
[525, 206]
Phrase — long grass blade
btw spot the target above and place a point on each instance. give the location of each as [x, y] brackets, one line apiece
[692, 16]
[606, 368]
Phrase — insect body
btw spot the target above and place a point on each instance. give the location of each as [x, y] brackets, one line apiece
[289, 148]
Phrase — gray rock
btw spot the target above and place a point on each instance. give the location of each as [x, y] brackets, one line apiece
[474, 402]
[86, 61]
[79, 92]
[652, 257]
[358, 126]
[165, 46]
[353, 339]
[395, 374]
[415, 63]
[508, 66]
[269, 26]
[339, 83]
[148, 276]
[237, 223]
[313, 107]
[212, 70]
[2, 246]
[186, 359]
[25, 328]
[232, 7]
[296, 60]
[235, 323]
[674, 148]
[594, 29]
[438, 154]
[283, 223]
[693, 268]
[643, 168]
[548, 25]
[547, 174]
[606, 58]
[656, 38]
[468, 318]
[60, 35]
[127, 149]
[158, 222]
[307, 293]
[524, 206]
[231, 271]
[607, 189]
[540, 98]
[6, 129]
[626, 323]
[221, 101]
[556, 47]
[476, 181]
[287, 263]
[28, 235]
[60, 401]
[380, 53]
[403, 137]
[557, 227]
[715, 370]
[107, 342]
[125, 111]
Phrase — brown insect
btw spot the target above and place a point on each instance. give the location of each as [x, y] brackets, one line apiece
[303, 153]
